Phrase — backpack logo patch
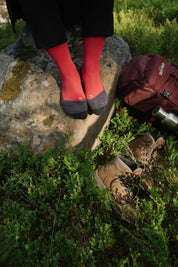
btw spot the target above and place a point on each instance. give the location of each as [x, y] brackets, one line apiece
[161, 69]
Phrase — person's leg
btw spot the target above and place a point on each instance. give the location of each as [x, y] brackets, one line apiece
[97, 18]
[71, 84]
[96, 95]
[92, 48]
[73, 97]
[44, 20]
[48, 31]
[97, 23]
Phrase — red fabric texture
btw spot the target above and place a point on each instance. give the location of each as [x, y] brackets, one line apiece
[92, 48]
[71, 83]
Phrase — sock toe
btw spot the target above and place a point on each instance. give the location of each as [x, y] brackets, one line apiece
[98, 104]
[75, 109]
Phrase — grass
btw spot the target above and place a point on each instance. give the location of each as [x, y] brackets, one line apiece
[7, 36]
[148, 27]
[52, 214]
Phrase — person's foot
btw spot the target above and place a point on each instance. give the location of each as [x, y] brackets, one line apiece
[75, 109]
[73, 98]
[98, 104]
[94, 91]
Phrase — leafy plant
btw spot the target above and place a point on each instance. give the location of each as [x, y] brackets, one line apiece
[7, 36]
[148, 27]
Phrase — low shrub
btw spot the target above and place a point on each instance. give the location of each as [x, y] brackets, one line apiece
[7, 36]
[149, 27]
[52, 214]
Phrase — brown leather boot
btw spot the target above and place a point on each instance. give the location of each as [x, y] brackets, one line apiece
[144, 149]
[117, 176]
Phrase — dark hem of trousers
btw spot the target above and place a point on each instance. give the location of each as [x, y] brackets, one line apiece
[48, 21]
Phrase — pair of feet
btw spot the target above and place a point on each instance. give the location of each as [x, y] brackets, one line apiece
[79, 109]
[84, 92]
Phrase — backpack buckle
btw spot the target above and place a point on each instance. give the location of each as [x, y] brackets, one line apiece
[166, 94]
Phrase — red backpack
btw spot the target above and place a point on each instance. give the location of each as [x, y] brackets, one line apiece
[149, 81]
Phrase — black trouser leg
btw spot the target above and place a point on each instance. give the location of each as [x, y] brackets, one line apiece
[45, 22]
[97, 18]
[47, 19]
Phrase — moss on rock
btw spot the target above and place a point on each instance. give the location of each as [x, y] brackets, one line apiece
[11, 88]
[48, 121]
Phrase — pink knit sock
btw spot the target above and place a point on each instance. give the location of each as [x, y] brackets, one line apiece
[71, 84]
[92, 48]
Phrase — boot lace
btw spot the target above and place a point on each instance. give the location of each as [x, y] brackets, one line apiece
[130, 189]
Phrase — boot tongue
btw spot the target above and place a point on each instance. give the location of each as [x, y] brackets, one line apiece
[141, 145]
[130, 163]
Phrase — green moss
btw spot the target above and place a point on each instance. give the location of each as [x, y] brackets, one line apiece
[48, 121]
[11, 88]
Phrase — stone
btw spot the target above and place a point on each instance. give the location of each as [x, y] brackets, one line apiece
[30, 108]
[3, 12]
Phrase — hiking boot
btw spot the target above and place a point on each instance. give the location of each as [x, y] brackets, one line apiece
[144, 149]
[117, 176]
[146, 179]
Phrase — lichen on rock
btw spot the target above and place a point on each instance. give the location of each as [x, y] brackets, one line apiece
[11, 88]
[48, 121]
